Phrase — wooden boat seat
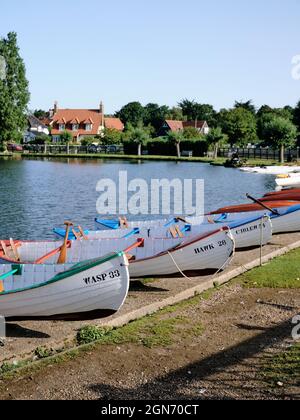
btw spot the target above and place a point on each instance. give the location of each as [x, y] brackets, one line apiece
[9, 249]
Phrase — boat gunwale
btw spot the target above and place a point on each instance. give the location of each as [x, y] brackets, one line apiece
[76, 269]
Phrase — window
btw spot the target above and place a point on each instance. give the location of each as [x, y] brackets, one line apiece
[75, 127]
[62, 127]
[88, 127]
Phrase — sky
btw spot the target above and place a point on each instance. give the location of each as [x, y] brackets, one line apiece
[79, 52]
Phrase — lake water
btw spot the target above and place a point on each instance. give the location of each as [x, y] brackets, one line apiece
[37, 195]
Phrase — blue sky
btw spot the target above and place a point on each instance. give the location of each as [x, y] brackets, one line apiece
[217, 51]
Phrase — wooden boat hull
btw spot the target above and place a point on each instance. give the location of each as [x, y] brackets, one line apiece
[288, 196]
[283, 192]
[244, 208]
[91, 290]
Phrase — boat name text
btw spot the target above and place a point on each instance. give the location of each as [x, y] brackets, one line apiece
[102, 277]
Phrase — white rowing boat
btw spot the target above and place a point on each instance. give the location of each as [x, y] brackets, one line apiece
[290, 180]
[284, 220]
[87, 290]
[153, 257]
[249, 232]
[271, 170]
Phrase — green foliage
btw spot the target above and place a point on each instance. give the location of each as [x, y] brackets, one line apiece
[240, 126]
[248, 106]
[175, 137]
[201, 112]
[85, 141]
[66, 137]
[14, 93]
[91, 334]
[40, 114]
[176, 114]
[191, 133]
[43, 352]
[216, 136]
[112, 136]
[278, 131]
[41, 139]
[155, 115]
[132, 113]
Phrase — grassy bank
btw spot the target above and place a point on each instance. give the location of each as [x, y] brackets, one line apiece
[215, 162]
[283, 272]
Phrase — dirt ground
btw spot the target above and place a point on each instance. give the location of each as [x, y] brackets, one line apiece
[241, 327]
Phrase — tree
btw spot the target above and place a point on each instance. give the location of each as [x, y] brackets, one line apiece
[140, 136]
[66, 137]
[189, 109]
[176, 137]
[281, 133]
[132, 113]
[215, 138]
[40, 114]
[266, 113]
[155, 115]
[191, 133]
[176, 114]
[14, 93]
[112, 136]
[248, 106]
[201, 112]
[240, 126]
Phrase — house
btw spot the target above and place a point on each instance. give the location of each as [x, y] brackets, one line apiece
[175, 126]
[81, 122]
[35, 128]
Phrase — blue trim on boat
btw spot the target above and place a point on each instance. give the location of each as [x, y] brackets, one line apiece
[109, 223]
[61, 232]
[135, 231]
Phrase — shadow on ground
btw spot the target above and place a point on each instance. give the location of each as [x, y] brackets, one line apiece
[232, 364]
[16, 331]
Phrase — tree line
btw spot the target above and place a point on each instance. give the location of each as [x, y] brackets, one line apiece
[239, 125]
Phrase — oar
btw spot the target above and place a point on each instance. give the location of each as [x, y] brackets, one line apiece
[63, 253]
[276, 212]
[139, 244]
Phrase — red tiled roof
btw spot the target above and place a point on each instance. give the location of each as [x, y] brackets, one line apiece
[82, 117]
[199, 124]
[180, 125]
[175, 125]
[114, 123]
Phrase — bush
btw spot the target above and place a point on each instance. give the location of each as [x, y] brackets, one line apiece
[161, 146]
[86, 141]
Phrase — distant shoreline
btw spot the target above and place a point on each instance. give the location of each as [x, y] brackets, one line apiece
[213, 162]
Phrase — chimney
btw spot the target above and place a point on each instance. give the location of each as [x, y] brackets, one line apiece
[101, 110]
[55, 109]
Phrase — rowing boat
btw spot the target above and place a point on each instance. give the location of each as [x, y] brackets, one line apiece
[247, 233]
[284, 220]
[271, 170]
[89, 289]
[210, 251]
[290, 180]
